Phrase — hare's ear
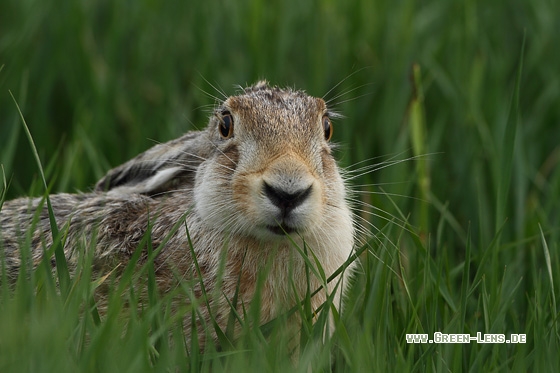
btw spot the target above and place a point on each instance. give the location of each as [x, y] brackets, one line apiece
[160, 168]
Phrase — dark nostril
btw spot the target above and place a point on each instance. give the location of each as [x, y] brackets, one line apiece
[286, 201]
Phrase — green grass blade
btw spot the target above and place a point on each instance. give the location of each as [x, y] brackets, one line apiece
[418, 133]
[221, 335]
[465, 283]
[61, 265]
[4, 186]
[508, 145]
[551, 279]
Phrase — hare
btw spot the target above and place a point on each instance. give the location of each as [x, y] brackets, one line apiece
[257, 189]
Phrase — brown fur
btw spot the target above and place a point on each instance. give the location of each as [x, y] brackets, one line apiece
[219, 186]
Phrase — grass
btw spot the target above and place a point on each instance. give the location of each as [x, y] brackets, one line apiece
[470, 235]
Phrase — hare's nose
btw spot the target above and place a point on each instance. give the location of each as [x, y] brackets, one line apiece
[284, 200]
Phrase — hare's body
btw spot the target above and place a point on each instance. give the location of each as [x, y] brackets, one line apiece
[253, 187]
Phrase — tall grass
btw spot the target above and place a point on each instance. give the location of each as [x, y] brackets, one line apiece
[469, 240]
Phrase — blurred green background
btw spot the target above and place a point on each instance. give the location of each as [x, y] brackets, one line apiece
[100, 81]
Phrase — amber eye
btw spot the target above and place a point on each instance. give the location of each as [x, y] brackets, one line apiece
[226, 125]
[327, 127]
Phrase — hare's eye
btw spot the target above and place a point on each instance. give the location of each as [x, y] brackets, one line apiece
[327, 127]
[226, 125]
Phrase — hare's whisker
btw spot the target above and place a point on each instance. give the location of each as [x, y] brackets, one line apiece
[383, 193]
[380, 232]
[220, 90]
[340, 82]
[329, 102]
[378, 185]
[381, 166]
[395, 221]
[389, 158]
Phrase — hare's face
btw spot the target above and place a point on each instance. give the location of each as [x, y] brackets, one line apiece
[272, 172]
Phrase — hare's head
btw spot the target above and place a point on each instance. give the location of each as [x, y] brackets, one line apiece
[271, 172]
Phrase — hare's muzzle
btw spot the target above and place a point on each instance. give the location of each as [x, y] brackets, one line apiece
[291, 196]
